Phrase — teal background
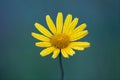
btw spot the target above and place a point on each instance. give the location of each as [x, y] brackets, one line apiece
[20, 59]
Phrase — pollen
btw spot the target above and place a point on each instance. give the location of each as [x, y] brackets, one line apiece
[60, 41]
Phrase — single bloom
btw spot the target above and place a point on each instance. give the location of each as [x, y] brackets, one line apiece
[62, 38]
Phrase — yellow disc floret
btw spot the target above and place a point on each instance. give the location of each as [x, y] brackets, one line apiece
[60, 41]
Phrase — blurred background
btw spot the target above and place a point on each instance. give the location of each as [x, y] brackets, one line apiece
[20, 59]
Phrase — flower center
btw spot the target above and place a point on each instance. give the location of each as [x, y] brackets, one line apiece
[60, 41]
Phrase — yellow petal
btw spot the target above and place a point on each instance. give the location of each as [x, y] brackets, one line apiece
[64, 53]
[78, 35]
[79, 28]
[55, 53]
[47, 51]
[59, 22]
[72, 26]
[69, 51]
[80, 44]
[43, 30]
[40, 37]
[50, 24]
[78, 48]
[67, 22]
[43, 44]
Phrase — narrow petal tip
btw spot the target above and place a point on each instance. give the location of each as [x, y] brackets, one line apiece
[84, 24]
[59, 12]
[36, 23]
[32, 33]
[47, 16]
[36, 44]
[76, 19]
[42, 55]
[88, 44]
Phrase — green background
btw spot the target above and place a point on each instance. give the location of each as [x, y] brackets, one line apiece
[20, 59]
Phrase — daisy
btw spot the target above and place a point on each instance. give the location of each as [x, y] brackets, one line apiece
[63, 38]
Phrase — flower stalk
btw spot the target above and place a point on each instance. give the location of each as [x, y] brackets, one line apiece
[61, 66]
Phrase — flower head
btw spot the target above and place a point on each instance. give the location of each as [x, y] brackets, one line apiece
[62, 37]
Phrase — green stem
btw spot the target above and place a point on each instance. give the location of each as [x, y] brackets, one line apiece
[61, 67]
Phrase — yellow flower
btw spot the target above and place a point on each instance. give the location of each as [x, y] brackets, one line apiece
[62, 36]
